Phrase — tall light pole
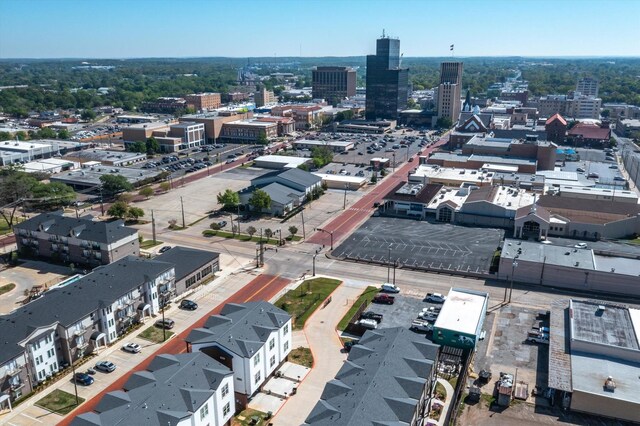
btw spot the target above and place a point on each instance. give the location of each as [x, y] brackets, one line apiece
[344, 204]
[182, 207]
[514, 265]
[389, 264]
[73, 368]
[314, 265]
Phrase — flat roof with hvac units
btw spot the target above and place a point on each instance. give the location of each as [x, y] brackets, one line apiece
[279, 161]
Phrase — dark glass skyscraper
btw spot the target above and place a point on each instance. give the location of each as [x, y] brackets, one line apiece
[387, 81]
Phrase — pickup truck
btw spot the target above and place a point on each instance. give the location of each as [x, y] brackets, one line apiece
[428, 316]
[384, 299]
[371, 315]
[534, 337]
[436, 298]
[423, 326]
[369, 323]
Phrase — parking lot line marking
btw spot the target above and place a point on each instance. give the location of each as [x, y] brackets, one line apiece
[32, 418]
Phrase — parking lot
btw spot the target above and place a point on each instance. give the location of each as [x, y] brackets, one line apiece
[404, 310]
[421, 244]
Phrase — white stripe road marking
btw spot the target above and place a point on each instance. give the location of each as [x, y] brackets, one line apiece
[32, 418]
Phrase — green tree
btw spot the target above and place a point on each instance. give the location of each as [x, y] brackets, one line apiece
[293, 230]
[262, 139]
[229, 199]
[88, 114]
[268, 233]
[215, 226]
[321, 155]
[152, 146]
[260, 200]
[411, 103]
[118, 209]
[54, 194]
[444, 123]
[251, 230]
[63, 134]
[146, 192]
[114, 184]
[21, 135]
[605, 113]
[46, 133]
[5, 136]
[165, 186]
[137, 146]
[14, 187]
[135, 213]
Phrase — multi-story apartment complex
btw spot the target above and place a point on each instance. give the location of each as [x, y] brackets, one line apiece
[449, 90]
[387, 81]
[584, 107]
[333, 83]
[204, 101]
[552, 104]
[252, 339]
[264, 97]
[588, 86]
[184, 389]
[73, 320]
[76, 240]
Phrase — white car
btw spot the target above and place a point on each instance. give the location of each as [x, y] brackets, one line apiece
[369, 323]
[581, 245]
[133, 348]
[390, 288]
[541, 338]
[436, 298]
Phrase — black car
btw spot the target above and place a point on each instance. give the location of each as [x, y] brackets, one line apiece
[372, 315]
[83, 379]
[165, 249]
[189, 305]
[166, 323]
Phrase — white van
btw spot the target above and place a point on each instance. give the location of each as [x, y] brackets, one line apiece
[390, 288]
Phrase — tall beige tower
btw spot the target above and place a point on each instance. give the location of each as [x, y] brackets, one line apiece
[449, 90]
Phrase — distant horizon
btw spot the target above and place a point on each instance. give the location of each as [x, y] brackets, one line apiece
[139, 29]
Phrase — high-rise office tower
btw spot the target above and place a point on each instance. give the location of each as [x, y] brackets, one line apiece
[333, 83]
[449, 90]
[387, 81]
[588, 86]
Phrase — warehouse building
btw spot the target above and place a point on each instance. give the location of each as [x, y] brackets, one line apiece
[107, 158]
[461, 319]
[594, 358]
[278, 162]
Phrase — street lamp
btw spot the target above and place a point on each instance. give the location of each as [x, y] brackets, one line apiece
[514, 265]
[389, 263]
[314, 264]
[164, 329]
[73, 368]
[344, 204]
[330, 234]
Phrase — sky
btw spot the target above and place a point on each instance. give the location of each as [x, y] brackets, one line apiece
[250, 28]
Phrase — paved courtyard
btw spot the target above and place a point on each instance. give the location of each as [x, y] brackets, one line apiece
[422, 244]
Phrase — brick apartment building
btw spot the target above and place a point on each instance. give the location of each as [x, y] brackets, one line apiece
[204, 101]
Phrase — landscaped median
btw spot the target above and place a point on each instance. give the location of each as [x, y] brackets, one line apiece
[155, 334]
[59, 402]
[366, 297]
[237, 236]
[304, 300]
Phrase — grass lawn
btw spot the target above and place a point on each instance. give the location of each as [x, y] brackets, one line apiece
[154, 334]
[60, 402]
[367, 296]
[303, 301]
[7, 288]
[241, 237]
[244, 418]
[632, 241]
[301, 356]
[149, 243]
[442, 391]
[5, 228]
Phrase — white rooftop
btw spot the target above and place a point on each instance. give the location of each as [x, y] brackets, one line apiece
[322, 143]
[432, 172]
[618, 193]
[462, 311]
[341, 178]
[288, 161]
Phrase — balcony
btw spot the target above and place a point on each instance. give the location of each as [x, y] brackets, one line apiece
[79, 331]
[13, 370]
[16, 386]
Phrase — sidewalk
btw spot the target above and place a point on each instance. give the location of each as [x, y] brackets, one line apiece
[320, 331]
[446, 404]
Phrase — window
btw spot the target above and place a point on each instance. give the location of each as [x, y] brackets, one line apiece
[204, 412]
[226, 409]
[256, 378]
[286, 329]
[286, 346]
[272, 361]
[191, 281]
[225, 390]
[272, 344]
[256, 359]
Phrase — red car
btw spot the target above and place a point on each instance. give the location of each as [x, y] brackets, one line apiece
[384, 299]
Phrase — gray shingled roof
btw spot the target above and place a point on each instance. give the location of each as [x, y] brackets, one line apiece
[380, 383]
[281, 193]
[83, 228]
[173, 387]
[187, 260]
[300, 177]
[69, 304]
[241, 329]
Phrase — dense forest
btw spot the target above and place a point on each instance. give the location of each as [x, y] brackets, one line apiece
[71, 84]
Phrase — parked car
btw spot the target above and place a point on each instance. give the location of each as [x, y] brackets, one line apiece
[390, 288]
[422, 326]
[105, 366]
[133, 348]
[538, 338]
[368, 323]
[372, 315]
[83, 379]
[619, 179]
[189, 305]
[593, 176]
[427, 316]
[581, 245]
[165, 323]
[222, 223]
[349, 344]
[436, 298]
[165, 249]
[384, 299]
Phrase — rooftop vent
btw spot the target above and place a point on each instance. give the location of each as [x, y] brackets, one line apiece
[602, 308]
[609, 384]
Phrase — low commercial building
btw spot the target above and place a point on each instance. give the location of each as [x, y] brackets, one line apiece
[248, 131]
[627, 127]
[389, 378]
[107, 158]
[165, 105]
[142, 131]
[50, 166]
[76, 240]
[183, 389]
[589, 134]
[476, 161]
[362, 126]
[89, 177]
[279, 162]
[252, 339]
[409, 199]
[213, 121]
[134, 119]
[593, 193]
[192, 134]
[571, 268]
[542, 151]
[450, 176]
[193, 266]
[286, 125]
[337, 181]
[335, 146]
[22, 151]
[461, 319]
[594, 358]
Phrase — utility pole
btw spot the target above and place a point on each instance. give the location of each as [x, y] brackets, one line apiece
[101, 202]
[314, 265]
[304, 235]
[395, 264]
[153, 227]
[344, 203]
[182, 206]
[73, 368]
